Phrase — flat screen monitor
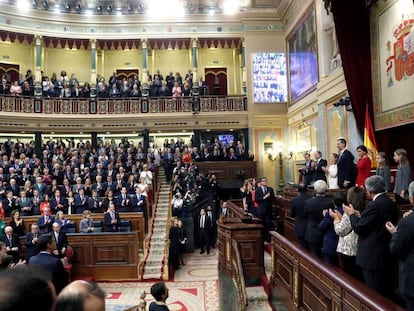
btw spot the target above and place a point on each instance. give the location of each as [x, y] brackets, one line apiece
[225, 139]
[269, 77]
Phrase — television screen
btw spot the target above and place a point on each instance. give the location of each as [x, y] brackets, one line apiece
[224, 139]
[269, 78]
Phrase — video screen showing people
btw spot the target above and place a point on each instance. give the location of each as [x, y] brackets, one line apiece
[269, 78]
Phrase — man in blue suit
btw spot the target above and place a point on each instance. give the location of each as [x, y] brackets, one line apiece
[346, 167]
[46, 259]
[265, 196]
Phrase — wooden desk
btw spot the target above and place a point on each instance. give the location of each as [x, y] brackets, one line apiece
[137, 222]
[105, 255]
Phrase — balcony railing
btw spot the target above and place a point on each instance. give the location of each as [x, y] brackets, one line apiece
[46, 105]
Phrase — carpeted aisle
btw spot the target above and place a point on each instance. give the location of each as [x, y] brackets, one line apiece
[195, 287]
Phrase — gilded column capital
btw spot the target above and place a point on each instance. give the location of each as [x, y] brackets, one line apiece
[194, 42]
[144, 43]
[93, 43]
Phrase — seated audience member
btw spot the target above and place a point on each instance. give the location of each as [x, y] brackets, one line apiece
[111, 219]
[348, 239]
[160, 293]
[297, 211]
[86, 224]
[17, 223]
[46, 259]
[27, 288]
[313, 212]
[12, 243]
[81, 295]
[373, 254]
[32, 247]
[402, 246]
[61, 241]
[45, 221]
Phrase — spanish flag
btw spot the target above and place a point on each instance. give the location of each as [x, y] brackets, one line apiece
[369, 139]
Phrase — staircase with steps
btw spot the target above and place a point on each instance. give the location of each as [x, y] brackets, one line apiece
[155, 264]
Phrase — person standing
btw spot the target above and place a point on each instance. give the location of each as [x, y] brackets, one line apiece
[346, 167]
[111, 219]
[317, 166]
[306, 171]
[373, 254]
[32, 247]
[47, 245]
[160, 293]
[204, 224]
[12, 242]
[383, 169]
[264, 196]
[297, 211]
[403, 177]
[314, 213]
[364, 166]
[332, 171]
[402, 246]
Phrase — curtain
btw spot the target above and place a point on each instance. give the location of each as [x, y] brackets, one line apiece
[353, 35]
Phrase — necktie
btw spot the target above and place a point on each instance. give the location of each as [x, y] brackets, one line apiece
[202, 222]
[264, 190]
[10, 241]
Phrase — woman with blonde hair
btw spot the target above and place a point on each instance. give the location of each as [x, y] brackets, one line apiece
[62, 221]
[403, 176]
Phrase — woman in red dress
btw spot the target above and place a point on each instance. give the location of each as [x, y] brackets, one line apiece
[364, 166]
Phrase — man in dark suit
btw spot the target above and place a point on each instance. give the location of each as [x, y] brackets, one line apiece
[313, 213]
[94, 202]
[61, 241]
[213, 227]
[12, 243]
[111, 219]
[45, 258]
[317, 165]
[306, 171]
[345, 164]
[25, 204]
[160, 293]
[373, 254]
[402, 247]
[81, 201]
[264, 196]
[32, 247]
[297, 211]
[224, 210]
[138, 201]
[58, 203]
[204, 225]
[123, 201]
[45, 221]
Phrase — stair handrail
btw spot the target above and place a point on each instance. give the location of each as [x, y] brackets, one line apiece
[238, 277]
[167, 239]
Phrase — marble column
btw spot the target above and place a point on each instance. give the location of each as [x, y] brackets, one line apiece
[243, 66]
[145, 86]
[195, 87]
[93, 67]
[38, 69]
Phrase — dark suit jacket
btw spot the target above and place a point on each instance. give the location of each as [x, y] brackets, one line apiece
[15, 240]
[31, 249]
[402, 246]
[43, 226]
[297, 211]
[313, 212]
[135, 204]
[54, 265]
[61, 242]
[373, 242]
[308, 173]
[93, 204]
[62, 201]
[107, 220]
[155, 307]
[81, 204]
[28, 203]
[264, 208]
[346, 168]
[318, 173]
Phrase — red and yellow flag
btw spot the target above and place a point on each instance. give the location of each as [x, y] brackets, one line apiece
[369, 139]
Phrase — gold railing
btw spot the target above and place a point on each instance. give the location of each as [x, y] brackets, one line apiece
[139, 105]
[238, 277]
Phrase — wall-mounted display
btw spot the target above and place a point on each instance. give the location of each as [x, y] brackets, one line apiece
[303, 59]
[269, 77]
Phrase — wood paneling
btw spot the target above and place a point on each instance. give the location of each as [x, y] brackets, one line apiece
[106, 256]
[303, 282]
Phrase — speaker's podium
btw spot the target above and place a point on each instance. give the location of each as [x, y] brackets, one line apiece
[246, 236]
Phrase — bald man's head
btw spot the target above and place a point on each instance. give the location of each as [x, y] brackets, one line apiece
[81, 296]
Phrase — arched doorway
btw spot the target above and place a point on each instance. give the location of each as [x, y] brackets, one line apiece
[216, 81]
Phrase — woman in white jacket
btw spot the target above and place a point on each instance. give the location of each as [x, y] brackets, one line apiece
[348, 239]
